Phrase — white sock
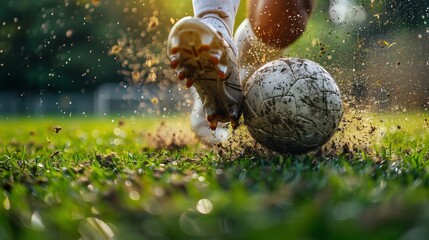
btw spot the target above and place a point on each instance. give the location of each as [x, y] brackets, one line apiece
[225, 9]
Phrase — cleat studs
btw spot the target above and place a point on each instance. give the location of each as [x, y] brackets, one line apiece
[214, 58]
[174, 64]
[222, 75]
[189, 83]
[213, 125]
[210, 118]
[174, 61]
[213, 120]
[174, 50]
[203, 48]
[181, 75]
[222, 69]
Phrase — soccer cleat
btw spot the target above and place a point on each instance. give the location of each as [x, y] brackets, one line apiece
[203, 54]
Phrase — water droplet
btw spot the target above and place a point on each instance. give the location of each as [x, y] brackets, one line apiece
[159, 192]
[94, 228]
[36, 221]
[69, 33]
[117, 131]
[134, 195]
[6, 202]
[128, 183]
[204, 206]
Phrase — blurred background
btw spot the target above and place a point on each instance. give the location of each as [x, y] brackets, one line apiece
[104, 57]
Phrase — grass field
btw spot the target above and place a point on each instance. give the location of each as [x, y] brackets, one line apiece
[130, 178]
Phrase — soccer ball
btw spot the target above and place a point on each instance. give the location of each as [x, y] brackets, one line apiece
[292, 105]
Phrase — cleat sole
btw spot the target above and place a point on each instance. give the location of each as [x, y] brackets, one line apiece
[199, 54]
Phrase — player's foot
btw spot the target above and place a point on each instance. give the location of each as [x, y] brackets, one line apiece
[252, 53]
[200, 128]
[203, 54]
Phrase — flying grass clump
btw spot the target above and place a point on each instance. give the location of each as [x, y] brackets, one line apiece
[167, 137]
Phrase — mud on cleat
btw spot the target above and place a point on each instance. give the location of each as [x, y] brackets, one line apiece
[202, 51]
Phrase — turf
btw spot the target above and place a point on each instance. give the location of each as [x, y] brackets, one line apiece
[130, 178]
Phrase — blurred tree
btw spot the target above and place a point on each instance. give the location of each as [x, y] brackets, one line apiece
[55, 46]
[143, 28]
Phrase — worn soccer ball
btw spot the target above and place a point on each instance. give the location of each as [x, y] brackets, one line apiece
[292, 105]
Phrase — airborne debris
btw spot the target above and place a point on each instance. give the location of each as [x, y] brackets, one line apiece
[115, 50]
[57, 129]
[383, 43]
[154, 100]
[169, 137]
[106, 160]
[136, 76]
[55, 153]
[153, 23]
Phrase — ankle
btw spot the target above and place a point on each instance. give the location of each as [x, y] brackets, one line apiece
[218, 22]
[225, 10]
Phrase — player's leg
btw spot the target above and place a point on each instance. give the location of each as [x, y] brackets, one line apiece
[279, 22]
[202, 52]
[272, 25]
